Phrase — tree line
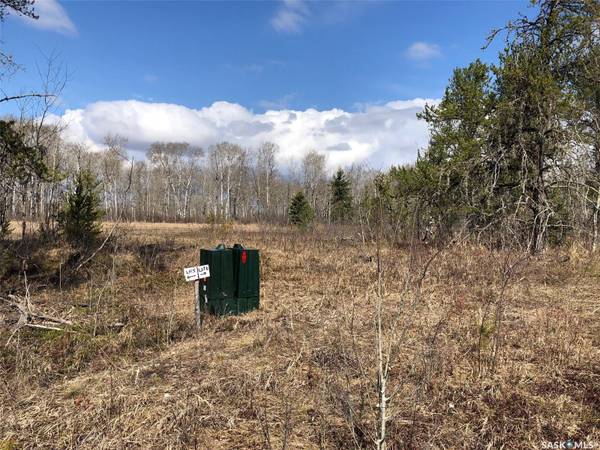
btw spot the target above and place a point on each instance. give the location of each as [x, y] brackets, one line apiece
[175, 181]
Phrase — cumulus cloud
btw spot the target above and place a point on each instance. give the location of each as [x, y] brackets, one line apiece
[423, 51]
[52, 17]
[291, 16]
[379, 135]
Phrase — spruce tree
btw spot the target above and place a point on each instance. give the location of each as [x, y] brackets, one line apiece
[300, 212]
[341, 197]
[80, 218]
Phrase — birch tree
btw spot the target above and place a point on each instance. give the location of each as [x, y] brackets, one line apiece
[313, 175]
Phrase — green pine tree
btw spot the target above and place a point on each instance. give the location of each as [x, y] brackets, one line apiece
[80, 218]
[341, 197]
[456, 167]
[300, 212]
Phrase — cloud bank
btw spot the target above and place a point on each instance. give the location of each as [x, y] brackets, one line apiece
[378, 135]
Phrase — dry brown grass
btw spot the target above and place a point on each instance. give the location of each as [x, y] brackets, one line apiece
[299, 372]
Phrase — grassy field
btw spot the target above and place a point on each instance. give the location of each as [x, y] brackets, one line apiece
[487, 349]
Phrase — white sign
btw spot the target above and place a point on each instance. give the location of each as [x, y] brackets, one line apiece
[196, 272]
[190, 273]
[203, 271]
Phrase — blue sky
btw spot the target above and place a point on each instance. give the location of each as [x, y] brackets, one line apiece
[260, 56]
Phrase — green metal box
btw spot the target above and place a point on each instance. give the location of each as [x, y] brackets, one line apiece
[219, 287]
[234, 283]
[246, 277]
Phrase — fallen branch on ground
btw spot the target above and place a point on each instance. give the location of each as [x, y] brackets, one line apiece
[28, 317]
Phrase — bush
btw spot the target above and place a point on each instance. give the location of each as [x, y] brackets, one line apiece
[300, 212]
[79, 220]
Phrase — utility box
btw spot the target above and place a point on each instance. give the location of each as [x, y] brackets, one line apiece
[234, 283]
[246, 277]
[219, 288]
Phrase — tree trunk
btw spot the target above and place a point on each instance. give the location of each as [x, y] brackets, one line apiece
[597, 185]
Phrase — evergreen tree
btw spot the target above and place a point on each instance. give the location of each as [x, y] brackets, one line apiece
[80, 218]
[533, 84]
[300, 212]
[341, 197]
[454, 167]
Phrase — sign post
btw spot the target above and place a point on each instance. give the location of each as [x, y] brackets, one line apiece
[196, 274]
[197, 304]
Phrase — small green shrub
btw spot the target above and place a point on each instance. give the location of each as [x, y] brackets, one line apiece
[300, 212]
[80, 218]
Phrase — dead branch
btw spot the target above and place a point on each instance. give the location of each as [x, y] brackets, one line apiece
[28, 317]
[18, 97]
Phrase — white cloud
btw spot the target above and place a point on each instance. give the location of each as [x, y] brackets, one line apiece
[291, 17]
[52, 17]
[379, 135]
[423, 51]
